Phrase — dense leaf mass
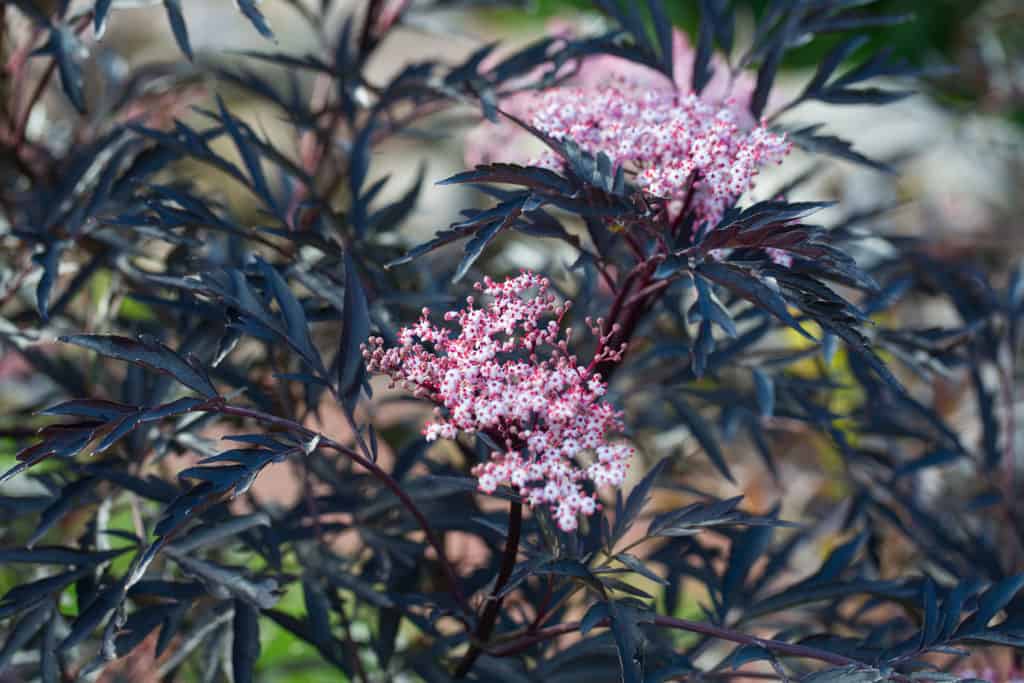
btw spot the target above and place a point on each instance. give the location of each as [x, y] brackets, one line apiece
[186, 343]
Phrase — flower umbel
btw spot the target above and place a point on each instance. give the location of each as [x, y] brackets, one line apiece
[675, 143]
[506, 372]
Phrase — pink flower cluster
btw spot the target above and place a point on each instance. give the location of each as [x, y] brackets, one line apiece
[508, 374]
[504, 141]
[649, 124]
[989, 674]
[674, 143]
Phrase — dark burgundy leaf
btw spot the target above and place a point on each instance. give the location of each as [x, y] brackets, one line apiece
[148, 353]
[245, 648]
[177, 21]
[356, 330]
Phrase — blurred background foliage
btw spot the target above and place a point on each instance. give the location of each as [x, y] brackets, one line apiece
[982, 40]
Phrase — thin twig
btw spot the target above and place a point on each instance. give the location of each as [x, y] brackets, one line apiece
[711, 630]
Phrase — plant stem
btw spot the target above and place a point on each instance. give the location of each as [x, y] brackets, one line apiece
[627, 311]
[542, 609]
[369, 465]
[775, 646]
[490, 615]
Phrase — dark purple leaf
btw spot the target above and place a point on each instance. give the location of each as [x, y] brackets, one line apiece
[296, 324]
[255, 17]
[98, 609]
[58, 555]
[178, 27]
[704, 434]
[148, 353]
[355, 332]
[23, 631]
[765, 388]
[750, 287]
[808, 139]
[245, 648]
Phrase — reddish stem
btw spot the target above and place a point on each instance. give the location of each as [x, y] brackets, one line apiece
[722, 633]
[490, 616]
[542, 610]
[626, 312]
[687, 203]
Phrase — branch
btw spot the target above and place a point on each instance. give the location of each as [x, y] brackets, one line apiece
[720, 632]
[490, 616]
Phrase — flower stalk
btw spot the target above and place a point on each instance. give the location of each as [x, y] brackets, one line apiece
[492, 607]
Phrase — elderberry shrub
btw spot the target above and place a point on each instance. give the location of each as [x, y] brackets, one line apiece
[175, 351]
